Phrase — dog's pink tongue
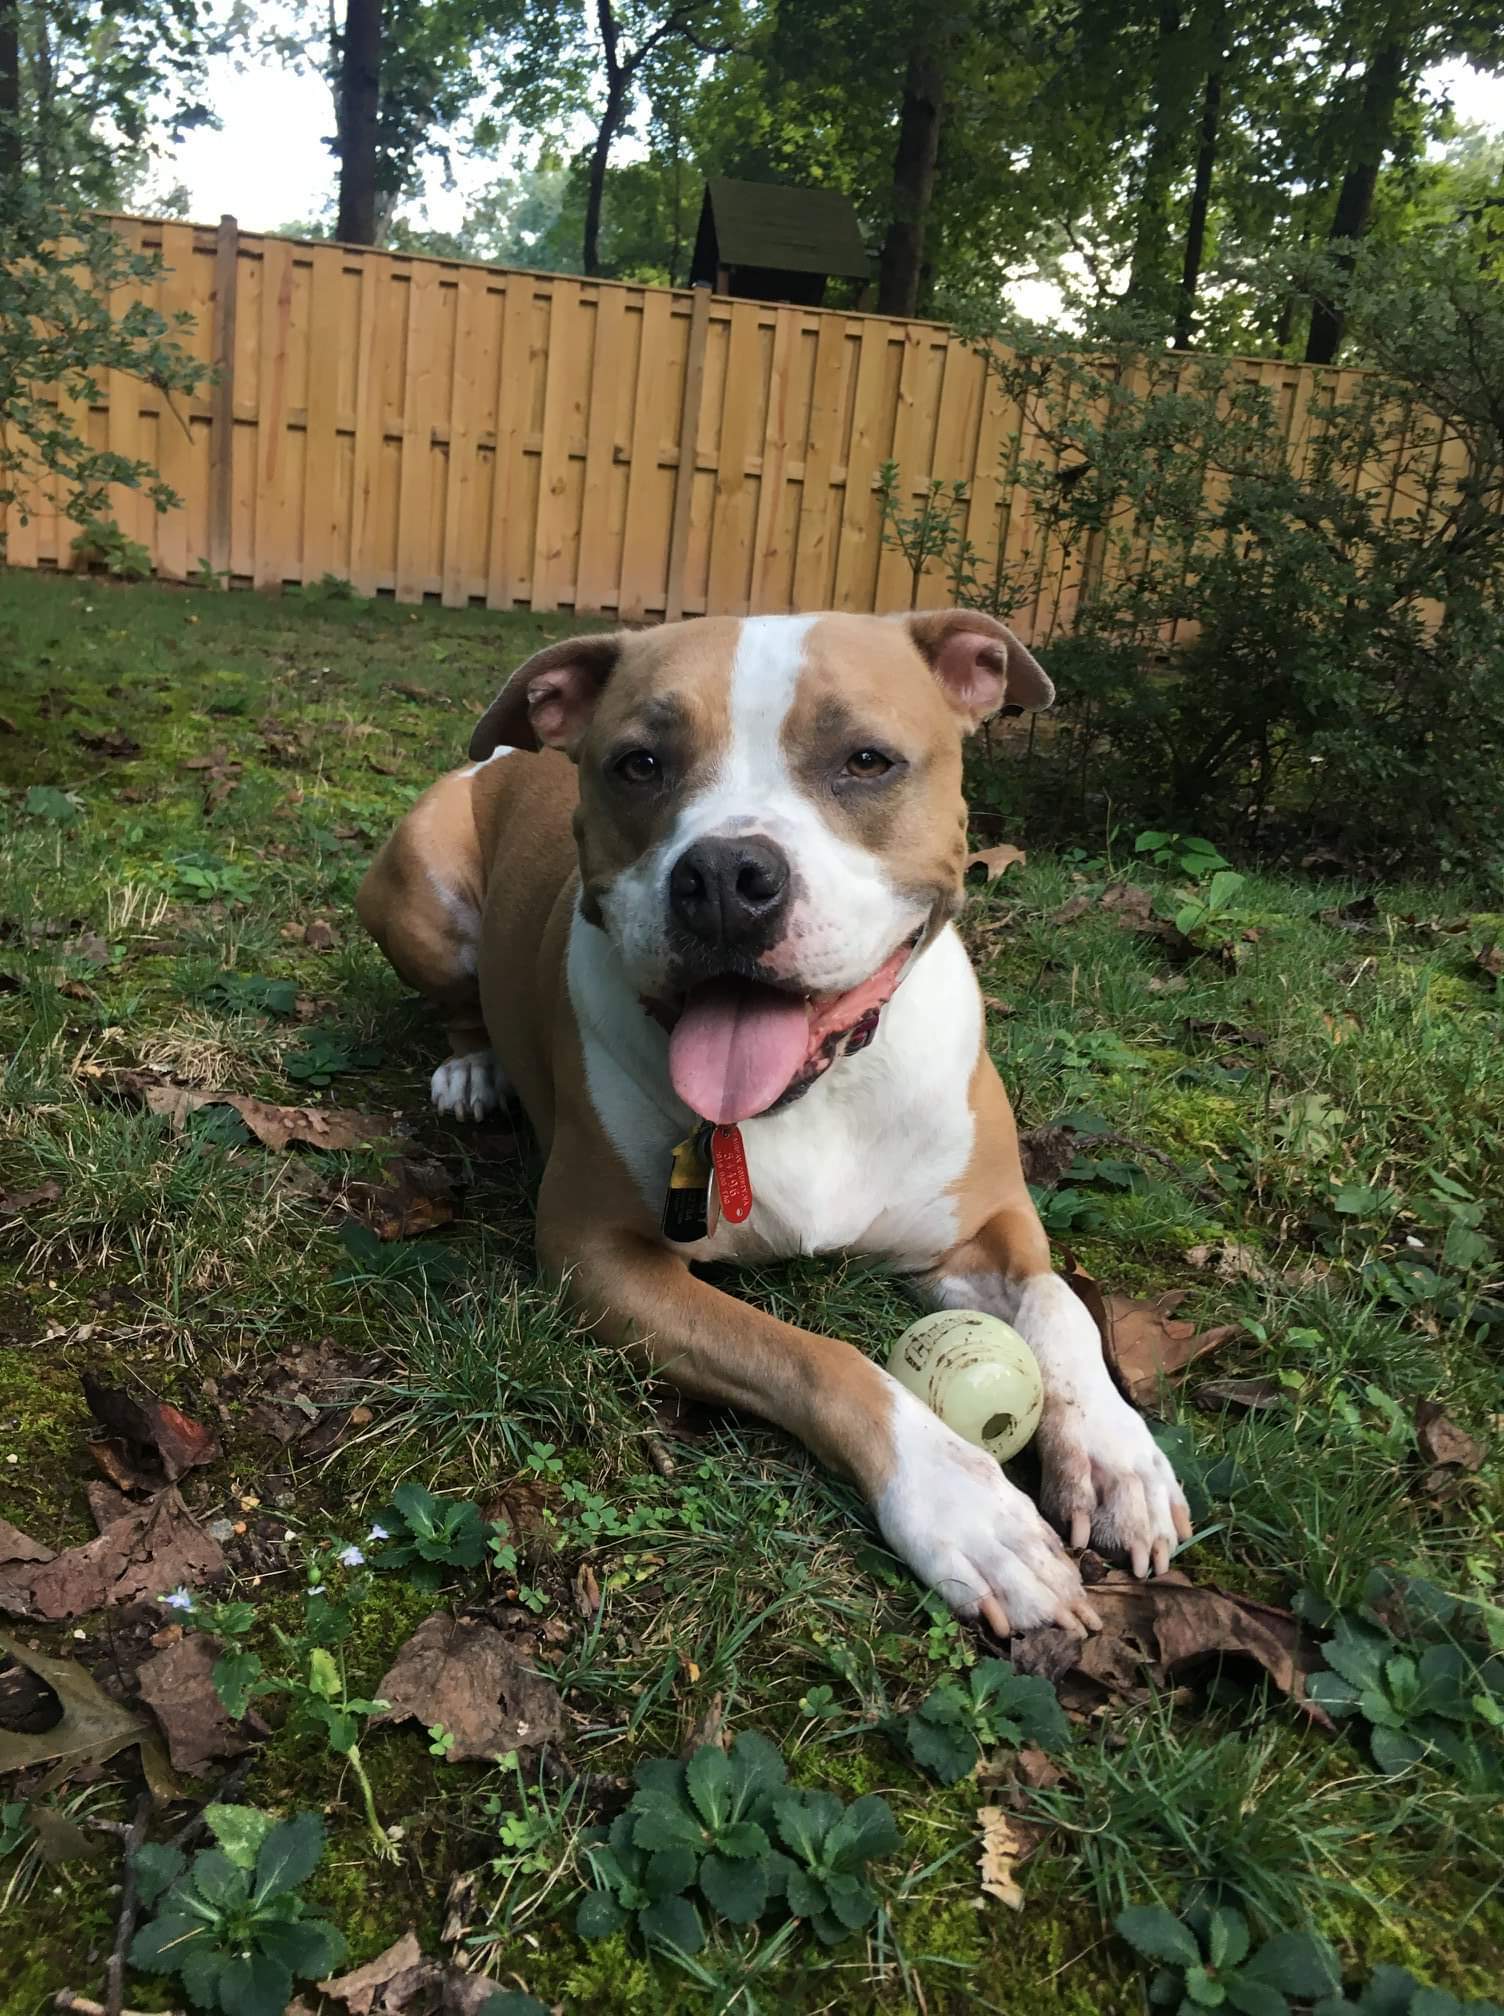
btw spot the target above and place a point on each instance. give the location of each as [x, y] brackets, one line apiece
[735, 1048]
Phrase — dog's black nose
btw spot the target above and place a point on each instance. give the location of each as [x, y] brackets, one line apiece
[730, 892]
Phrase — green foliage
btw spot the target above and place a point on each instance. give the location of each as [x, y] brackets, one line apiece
[729, 1827]
[14, 1826]
[1204, 1962]
[325, 1053]
[102, 545]
[231, 1924]
[63, 276]
[252, 993]
[426, 1535]
[1394, 1991]
[45, 801]
[1427, 1702]
[951, 1728]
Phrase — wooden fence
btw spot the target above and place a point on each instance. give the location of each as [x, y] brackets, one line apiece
[426, 428]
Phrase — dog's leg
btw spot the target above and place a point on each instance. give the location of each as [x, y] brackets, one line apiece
[421, 900]
[1104, 1479]
[942, 1505]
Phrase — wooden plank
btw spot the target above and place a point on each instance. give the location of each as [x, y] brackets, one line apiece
[460, 485]
[595, 575]
[321, 442]
[549, 527]
[222, 424]
[953, 459]
[689, 451]
[374, 280]
[766, 591]
[511, 428]
[415, 484]
[732, 521]
[175, 456]
[817, 506]
[895, 586]
[644, 549]
[125, 432]
[277, 557]
[855, 568]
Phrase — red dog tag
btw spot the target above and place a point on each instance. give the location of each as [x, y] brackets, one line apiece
[733, 1184]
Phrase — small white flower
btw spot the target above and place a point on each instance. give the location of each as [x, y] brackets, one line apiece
[178, 1600]
[378, 1533]
[316, 1589]
[351, 1557]
[1418, 1244]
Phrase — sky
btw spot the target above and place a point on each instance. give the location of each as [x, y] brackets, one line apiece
[268, 166]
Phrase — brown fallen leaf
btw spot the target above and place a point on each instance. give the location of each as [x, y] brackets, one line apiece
[90, 1729]
[1491, 959]
[107, 742]
[1046, 1153]
[1000, 1856]
[1229, 1259]
[1036, 1769]
[1242, 1396]
[417, 1197]
[402, 1982]
[275, 1127]
[156, 1548]
[522, 1508]
[19, 1203]
[1441, 1441]
[20, 1558]
[1144, 1342]
[1069, 912]
[1168, 983]
[990, 862]
[318, 935]
[359, 1988]
[148, 1440]
[466, 1677]
[587, 1592]
[177, 1685]
[1131, 906]
[1151, 1630]
[107, 1503]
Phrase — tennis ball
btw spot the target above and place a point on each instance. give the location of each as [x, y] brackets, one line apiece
[976, 1373]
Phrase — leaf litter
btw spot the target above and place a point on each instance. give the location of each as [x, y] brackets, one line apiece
[150, 1549]
[275, 1127]
[90, 1729]
[464, 1675]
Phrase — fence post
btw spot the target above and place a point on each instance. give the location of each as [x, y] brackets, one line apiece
[222, 426]
[689, 434]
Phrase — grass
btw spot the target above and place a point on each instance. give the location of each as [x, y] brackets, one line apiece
[1351, 1143]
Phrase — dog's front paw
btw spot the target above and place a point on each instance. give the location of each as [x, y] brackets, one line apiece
[949, 1511]
[1106, 1483]
[469, 1087]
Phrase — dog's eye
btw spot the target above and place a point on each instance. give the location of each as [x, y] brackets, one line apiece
[637, 766]
[868, 763]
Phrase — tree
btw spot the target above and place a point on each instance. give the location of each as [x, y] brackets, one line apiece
[914, 164]
[357, 108]
[10, 91]
[632, 35]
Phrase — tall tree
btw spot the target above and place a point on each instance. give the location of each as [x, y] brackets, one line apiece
[920, 112]
[1201, 194]
[357, 112]
[10, 92]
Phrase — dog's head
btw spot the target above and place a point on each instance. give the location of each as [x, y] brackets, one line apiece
[771, 823]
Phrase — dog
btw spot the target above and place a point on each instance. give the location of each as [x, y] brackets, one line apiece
[691, 902]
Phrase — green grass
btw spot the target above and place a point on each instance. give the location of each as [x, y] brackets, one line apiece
[1367, 1116]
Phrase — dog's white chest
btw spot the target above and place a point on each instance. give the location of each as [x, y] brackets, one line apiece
[865, 1162]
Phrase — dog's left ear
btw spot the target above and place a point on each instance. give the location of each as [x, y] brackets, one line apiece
[979, 663]
[547, 703]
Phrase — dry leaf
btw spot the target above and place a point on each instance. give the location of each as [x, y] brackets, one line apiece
[318, 935]
[1132, 906]
[1069, 912]
[1491, 959]
[275, 1127]
[178, 1686]
[152, 1439]
[990, 862]
[1150, 1629]
[1231, 1260]
[1036, 1769]
[587, 1592]
[157, 1547]
[108, 742]
[1441, 1441]
[1243, 1396]
[358, 1989]
[1002, 1851]
[20, 1558]
[417, 1197]
[17, 1203]
[90, 1730]
[1144, 1342]
[466, 1677]
[1046, 1153]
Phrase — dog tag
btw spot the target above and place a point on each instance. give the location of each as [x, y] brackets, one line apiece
[687, 1210]
[732, 1183]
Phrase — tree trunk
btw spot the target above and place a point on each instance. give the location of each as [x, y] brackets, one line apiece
[359, 102]
[595, 188]
[913, 178]
[1195, 230]
[1381, 95]
[1148, 280]
[10, 92]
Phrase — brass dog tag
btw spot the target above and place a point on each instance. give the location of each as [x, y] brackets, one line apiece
[687, 1211]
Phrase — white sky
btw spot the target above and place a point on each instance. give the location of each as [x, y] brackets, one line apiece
[268, 165]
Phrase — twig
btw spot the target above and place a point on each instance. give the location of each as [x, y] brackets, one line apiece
[125, 1924]
[81, 2005]
[229, 1785]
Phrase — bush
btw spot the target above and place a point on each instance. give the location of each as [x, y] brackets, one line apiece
[1266, 645]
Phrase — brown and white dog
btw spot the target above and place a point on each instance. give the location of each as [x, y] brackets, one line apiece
[735, 908]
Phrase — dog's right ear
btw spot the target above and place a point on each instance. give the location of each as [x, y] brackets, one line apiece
[547, 703]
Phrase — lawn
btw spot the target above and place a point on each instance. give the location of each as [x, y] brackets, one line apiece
[1291, 1115]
